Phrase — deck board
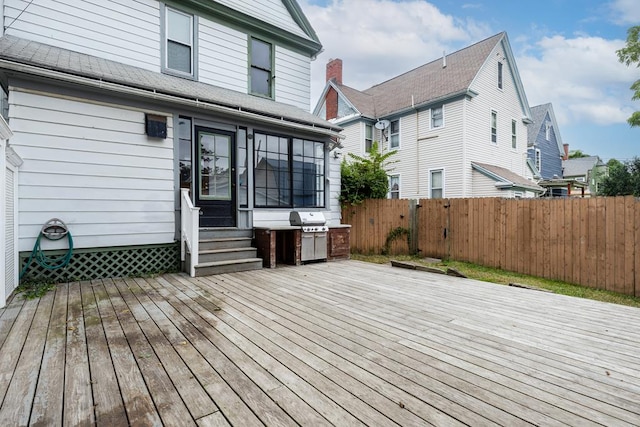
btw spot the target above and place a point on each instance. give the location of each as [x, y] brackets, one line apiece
[343, 343]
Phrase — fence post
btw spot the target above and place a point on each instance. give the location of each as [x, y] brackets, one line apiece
[414, 248]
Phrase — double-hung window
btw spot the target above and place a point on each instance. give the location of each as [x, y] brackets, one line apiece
[394, 134]
[394, 186]
[437, 117]
[436, 184]
[368, 137]
[261, 68]
[547, 131]
[538, 160]
[499, 75]
[179, 47]
[494, 127]
[514, 136]
[289, 172]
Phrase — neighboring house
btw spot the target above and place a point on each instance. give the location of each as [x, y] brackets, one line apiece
[459, 124]
[545, 150]
[589, 170]
[115, 106]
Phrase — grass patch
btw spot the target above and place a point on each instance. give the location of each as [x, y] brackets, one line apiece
[494, 275]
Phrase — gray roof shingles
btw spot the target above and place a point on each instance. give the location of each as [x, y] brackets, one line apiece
[41, 55]
[579, 166]
[538, 113]
[509, 176]
[429, 82]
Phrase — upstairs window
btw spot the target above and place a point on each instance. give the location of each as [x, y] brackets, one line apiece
[368, 137]
[538, 160]
[514, 136]
[179, 42]
[494, 127]
[437, 117]
[547, 131]
[394, 134]
[499, 75]
[261, 71]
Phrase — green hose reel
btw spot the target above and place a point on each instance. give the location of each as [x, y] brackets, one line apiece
[54, 229]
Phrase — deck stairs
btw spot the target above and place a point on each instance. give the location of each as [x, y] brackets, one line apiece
[225, 250]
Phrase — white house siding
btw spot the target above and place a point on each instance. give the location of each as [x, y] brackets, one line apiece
[92, 166]
[353, 138]
[222, 57]
[293, 77]
[271, 11]
[126, 31]
[423, 149]
[484, 186]
[10, 273]
[478, 120]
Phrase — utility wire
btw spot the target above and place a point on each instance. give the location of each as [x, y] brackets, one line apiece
[19, 15]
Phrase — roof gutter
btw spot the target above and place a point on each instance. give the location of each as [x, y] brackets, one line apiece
[467, 92]
[157, 96]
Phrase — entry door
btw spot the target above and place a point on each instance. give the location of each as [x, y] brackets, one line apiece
[215, 183]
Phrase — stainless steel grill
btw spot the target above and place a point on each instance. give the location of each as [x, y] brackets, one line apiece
[314, 234]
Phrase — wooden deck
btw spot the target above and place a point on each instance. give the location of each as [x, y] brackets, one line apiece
[343, 343]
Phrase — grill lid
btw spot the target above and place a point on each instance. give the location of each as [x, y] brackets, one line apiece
[306, 218]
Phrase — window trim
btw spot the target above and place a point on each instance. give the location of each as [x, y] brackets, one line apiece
[431, 126]
[431, 171]
[494, 127]
[547, 130]
[391, 134]
[250, 66]
[500, 75]
[366, 127]
[514, 134]
[164, 16]
[391, 191]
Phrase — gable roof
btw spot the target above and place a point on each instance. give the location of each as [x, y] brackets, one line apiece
[580, 166]
[505, 178]
[538, 115]
[431, 82]
[48, 61]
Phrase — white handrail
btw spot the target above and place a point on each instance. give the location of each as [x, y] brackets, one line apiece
[189, 230]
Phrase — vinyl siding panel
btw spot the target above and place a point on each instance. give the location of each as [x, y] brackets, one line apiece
[483, 186]
[10, 273]
[353, 141]
[271, 11]
[126, 31]
[293, 76]
[92, 166]
[506, 103]
[223, 56]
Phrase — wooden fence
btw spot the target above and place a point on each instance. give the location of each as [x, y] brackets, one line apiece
[593, 242]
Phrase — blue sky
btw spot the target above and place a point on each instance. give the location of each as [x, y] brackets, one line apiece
[564, 49]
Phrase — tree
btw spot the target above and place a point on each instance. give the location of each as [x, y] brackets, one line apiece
[623, 179]
[630, 54]
[576, 154]
[365, 177]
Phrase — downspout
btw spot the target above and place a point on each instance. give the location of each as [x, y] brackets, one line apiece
[417, 147]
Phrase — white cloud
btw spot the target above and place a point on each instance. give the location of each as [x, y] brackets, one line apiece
[379, 39]
[626, 11]
[581, 76]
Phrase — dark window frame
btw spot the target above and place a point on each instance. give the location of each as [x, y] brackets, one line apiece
[292, 183]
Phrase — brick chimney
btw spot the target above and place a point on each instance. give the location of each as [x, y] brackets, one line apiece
[334, 70]
[566, 152]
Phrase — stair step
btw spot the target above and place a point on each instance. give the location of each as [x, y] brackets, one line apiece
[225, 243]
[233, 266]
[224, 232]
[228, 254]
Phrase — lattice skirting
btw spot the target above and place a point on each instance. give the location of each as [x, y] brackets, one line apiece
[100, 263]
